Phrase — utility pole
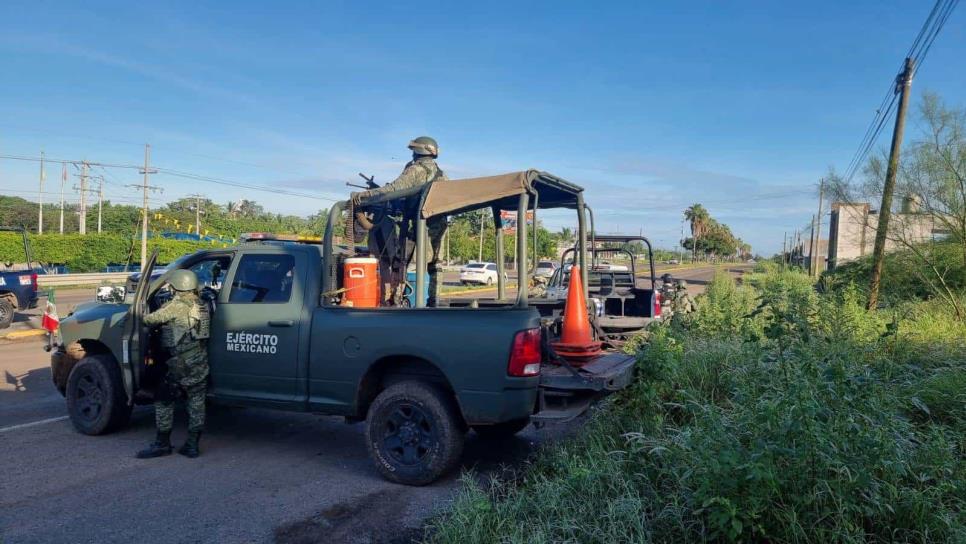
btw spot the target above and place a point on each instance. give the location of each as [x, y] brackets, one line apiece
[100, 202]
[82, 227]
[798, 242]
[811, 246]
[145, 187]
[903, 84]
[198, 213]
[814, 269]
[681, 253]
[40, 208]
[784, 248]
[63, 181]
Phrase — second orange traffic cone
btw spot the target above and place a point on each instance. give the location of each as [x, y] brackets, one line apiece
[576, 344]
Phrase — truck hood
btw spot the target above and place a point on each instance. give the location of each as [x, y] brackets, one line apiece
[92, 317]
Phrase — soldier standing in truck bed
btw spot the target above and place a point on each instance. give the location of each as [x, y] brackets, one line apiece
[419, 171]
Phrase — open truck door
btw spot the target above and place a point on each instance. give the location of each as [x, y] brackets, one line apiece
[135, 341]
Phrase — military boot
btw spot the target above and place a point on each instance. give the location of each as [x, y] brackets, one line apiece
[159, 448]
[190, 447]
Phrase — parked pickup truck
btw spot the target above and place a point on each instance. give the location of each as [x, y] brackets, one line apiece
[624, 307]
[18, 286]
[280, 338]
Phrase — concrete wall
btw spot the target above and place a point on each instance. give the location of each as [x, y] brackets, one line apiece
[852, 231]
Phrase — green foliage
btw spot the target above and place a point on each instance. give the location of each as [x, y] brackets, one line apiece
[904, 277]
[724, 307]
[710, 237]
[93, 252]
[815, 421]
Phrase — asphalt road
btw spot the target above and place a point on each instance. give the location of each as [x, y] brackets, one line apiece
[263, 476]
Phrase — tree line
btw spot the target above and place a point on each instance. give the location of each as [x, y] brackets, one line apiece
[710, 238]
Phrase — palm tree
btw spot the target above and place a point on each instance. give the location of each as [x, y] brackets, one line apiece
[699, 218]
[566, 234]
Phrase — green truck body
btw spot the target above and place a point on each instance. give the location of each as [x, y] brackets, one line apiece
[279, 342]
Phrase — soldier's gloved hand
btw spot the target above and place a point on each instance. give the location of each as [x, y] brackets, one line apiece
[356, 197]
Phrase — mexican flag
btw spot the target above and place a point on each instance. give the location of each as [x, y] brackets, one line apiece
[50, 321]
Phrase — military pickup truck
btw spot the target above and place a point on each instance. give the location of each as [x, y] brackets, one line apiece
[420, 377]
[18, 284]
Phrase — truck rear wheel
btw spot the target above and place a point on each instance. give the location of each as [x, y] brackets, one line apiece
[95, 396]
[6, 313]
[413, 433]
[502, 430]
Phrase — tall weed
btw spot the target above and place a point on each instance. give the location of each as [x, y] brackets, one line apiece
[804, 419]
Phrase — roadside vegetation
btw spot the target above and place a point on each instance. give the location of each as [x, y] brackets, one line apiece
[773, 414]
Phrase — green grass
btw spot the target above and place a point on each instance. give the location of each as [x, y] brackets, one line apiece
[772, 415]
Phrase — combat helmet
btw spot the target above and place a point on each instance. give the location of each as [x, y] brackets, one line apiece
[682, 284]
[183, 280]
[424, 145]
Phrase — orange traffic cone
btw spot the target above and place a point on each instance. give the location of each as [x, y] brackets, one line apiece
[576, 343]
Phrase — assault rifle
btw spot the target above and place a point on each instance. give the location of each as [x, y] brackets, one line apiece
[370, 184]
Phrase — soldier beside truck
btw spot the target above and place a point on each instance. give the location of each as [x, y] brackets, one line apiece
[291, 331]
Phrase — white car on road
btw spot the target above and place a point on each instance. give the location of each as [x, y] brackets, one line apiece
[479, 273]
[545, 269]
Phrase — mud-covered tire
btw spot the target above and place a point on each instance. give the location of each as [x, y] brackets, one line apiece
[502, 430]
[6, 313]
[414, 433]
[96, 401]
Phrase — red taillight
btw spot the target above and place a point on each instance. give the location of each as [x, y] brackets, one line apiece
[657, 304]
[525, 354]
[33, 280]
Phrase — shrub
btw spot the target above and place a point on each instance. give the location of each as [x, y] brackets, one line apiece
[832, 424]
[92, 252]
[904, 278]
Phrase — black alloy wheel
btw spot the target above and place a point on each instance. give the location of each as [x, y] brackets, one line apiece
[90, 397]
[414, 432]
[409, 434]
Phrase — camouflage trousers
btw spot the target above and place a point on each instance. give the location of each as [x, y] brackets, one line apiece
[187, 376]
[194, 402]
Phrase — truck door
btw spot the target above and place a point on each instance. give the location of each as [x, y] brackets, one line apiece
[135, 340]
[254, 345]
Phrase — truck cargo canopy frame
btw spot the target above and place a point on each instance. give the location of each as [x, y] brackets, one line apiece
[512, 191]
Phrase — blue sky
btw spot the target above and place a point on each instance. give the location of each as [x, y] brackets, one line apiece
[651, 106]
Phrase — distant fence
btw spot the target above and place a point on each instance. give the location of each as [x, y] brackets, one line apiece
[96, 278]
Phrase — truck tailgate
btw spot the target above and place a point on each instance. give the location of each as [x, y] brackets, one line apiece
[566, 392]
[611, 372]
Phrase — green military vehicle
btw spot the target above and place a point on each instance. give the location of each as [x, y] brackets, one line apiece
[420, 377]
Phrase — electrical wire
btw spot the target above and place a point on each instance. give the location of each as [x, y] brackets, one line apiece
[231, 183]
[920, 47]
[180, 174]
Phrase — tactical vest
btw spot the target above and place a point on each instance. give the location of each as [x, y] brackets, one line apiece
[199, 319]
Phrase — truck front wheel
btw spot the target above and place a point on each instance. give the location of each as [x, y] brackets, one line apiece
[95, 396]
[413, 433]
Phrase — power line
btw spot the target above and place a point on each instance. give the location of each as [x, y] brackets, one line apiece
[242, 185]
[928, 32]
[182, 174]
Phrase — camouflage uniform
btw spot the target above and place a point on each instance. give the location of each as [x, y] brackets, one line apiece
[683, 303]
[420, 171]
[188, 365]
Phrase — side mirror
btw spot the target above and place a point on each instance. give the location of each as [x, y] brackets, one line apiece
[110, 294]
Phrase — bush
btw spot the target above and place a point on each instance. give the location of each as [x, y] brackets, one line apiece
[904, 274]
[816, 421]
[92, 252]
